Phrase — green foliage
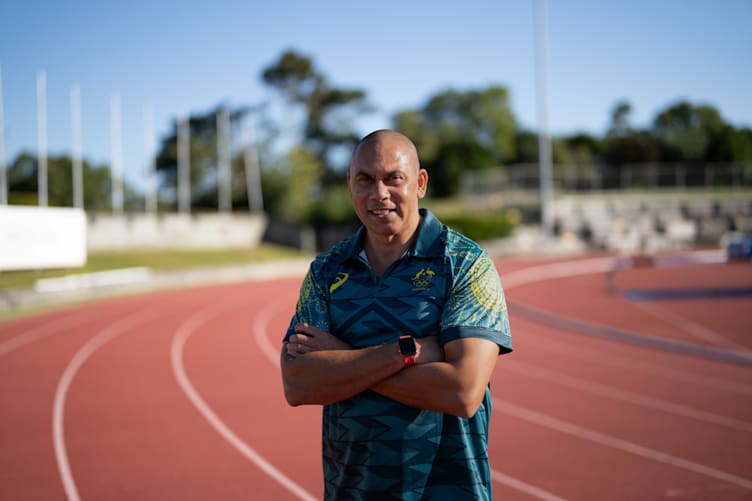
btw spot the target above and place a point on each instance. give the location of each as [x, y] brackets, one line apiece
[22, 183]
[476, 116]
[294, 75]
[483, 226]
[333, 208]
[686, 131]
[452, 159]
[329, 110]
[526, 146]
[631, 148]
[203, 152]
[457, 131]
[292, 189]
[620, 120]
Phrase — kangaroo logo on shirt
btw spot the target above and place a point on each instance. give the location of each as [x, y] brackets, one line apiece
[341, 279]
[422, 279]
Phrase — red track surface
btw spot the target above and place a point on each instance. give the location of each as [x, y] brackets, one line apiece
[177, 396]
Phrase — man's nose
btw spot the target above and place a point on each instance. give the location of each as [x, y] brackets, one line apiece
[382, 190]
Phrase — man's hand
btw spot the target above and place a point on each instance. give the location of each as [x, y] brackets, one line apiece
[308, 338]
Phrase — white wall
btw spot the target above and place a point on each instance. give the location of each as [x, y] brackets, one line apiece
[41, 237]
[174, 231]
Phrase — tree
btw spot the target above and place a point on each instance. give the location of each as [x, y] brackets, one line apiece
[620, 120]
[329, 111]
[461, 130]
[731, 145]
[685, 132]
[625, 145]
[22, 183]
[482, 116]
[293, 187]
[453, 158]
[526, 147]
[204, 162]
[582, 149]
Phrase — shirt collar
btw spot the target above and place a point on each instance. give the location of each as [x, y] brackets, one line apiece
[427, 244]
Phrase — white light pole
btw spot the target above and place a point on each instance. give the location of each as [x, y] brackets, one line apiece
[252, 170]
[184, 164]
[116, 150]
[544, 139]
[150, 153]
[78, 183]
[3, 177]
[42, 138]
[224, 174]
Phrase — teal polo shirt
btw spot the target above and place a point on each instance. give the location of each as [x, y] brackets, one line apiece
[445, 285]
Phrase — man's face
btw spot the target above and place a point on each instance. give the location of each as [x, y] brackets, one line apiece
[385, 184]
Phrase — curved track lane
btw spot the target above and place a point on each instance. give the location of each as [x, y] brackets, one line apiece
[177, 395]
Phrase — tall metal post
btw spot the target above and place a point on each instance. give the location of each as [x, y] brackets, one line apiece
[544, 139]
[252, 170]
[3, 176]
[150, 154]
[116, 148]
[78, 183]
[42, 138]
[184, 165]
[224, 174]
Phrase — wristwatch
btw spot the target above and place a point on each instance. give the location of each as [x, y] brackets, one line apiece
[407, 350]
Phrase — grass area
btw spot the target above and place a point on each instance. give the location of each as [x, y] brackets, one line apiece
[157, 260]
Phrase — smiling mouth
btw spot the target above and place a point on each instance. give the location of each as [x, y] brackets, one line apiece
[381, 212]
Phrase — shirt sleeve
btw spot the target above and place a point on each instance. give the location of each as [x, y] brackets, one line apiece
[312, 306]
[476, 306]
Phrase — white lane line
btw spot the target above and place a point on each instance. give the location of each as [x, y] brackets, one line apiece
[563, 269]
[622, 363]
[524, 487]
[260, 329]
[613, 393]
[176, 353]
[579, 267]
[692, 328]
[617, 443]
[42, 331]
[583, 267]
[61, 393]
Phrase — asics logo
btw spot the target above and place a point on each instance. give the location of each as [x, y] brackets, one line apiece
[341, 279]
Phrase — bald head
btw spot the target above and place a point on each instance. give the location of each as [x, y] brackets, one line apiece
[387, 140]
[385, 183]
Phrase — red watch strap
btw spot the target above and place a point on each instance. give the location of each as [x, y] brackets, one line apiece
[409, 360]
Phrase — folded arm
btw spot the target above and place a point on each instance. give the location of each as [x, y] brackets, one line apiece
[454, 386]
[319, 368]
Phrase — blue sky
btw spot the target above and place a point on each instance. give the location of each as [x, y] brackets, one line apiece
[189, 55]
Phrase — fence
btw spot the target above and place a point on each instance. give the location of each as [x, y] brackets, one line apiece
[583, 178]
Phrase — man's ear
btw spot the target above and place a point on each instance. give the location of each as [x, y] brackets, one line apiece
[422, 182]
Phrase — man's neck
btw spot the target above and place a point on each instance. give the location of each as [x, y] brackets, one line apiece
[383, 252]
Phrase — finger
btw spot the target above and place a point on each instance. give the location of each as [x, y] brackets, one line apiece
[307, 329]
[293, 349]
[299, 348]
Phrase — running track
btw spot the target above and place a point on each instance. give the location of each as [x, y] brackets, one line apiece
[177, 396]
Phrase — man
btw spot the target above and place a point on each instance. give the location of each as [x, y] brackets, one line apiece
[396, 332]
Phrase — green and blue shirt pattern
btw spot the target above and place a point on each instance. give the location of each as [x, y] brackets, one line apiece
[374, 447]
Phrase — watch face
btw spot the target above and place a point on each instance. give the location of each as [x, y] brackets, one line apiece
[407, 345]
